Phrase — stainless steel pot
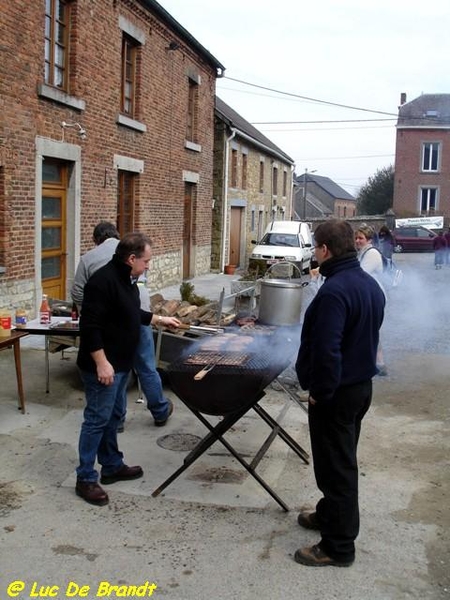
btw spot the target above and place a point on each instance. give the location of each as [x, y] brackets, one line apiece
[280, 302]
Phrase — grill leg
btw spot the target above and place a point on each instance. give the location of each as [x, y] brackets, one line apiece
[282, 433]
[215, 434]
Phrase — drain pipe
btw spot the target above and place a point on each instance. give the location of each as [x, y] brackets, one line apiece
[225, 196]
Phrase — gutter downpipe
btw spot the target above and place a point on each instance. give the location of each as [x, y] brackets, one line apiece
[225, 196]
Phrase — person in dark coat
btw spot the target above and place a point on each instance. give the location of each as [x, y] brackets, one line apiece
[110, 323]
[447, 255]
[386, 242]
[440, 250]
[336, 363]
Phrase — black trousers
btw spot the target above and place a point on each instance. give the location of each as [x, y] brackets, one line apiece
[334, 428]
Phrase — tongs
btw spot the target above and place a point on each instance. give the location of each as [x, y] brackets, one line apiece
[209, 367]
[200, 328]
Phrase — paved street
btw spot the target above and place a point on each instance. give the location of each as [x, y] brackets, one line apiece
[215, 532]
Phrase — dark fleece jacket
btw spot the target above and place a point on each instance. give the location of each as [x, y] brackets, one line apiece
[111, 317]
[340, 332]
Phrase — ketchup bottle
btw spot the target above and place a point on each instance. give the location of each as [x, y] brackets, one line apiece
[45, 314]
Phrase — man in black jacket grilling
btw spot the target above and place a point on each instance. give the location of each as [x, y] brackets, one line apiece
[109, 334]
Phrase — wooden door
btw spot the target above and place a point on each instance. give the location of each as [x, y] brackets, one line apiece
[53, 229]
[189, 191]
[235, 236]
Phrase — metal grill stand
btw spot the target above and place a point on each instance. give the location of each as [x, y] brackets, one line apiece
[217, 432]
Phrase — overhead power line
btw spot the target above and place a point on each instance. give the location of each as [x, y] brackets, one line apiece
[318, 101]
[319, 122]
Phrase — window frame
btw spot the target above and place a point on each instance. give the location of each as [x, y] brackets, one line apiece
[131, 45]
[53, 43]
[430, 157]
[428, 194]
[192, 112]
[244, 170]
[261, 176]
[233, 168]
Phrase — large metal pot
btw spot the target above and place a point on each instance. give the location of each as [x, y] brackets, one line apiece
[280, 302]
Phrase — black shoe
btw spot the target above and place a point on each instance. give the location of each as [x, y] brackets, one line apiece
[314, 556]
[162, 422]
[121, 428]
[125, 473]
[91, 492]
[308, 520]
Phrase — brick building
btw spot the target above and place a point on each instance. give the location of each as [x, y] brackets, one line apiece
[422, 157]
[107, 114]
[252, 186]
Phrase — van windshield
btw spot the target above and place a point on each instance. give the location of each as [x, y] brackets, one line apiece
[279, 239]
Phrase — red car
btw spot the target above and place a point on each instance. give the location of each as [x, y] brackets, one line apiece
[413, 239]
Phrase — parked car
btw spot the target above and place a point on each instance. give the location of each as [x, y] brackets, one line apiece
[284, 241]
[413, 239]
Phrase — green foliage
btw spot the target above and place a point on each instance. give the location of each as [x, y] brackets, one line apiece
[377, 195]
[187, 294]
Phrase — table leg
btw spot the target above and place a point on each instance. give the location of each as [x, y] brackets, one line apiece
[18, 363]
[47, 364]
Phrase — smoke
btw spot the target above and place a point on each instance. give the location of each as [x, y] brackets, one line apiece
[417, 316]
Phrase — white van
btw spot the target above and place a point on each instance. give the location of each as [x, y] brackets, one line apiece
[284, 241]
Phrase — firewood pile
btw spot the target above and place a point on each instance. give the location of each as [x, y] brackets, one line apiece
[190, 314]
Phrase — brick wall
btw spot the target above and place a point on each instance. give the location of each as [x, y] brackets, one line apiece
[409, 177]
[95, 78]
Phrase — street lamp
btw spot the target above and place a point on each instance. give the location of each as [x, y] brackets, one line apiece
[305, 188]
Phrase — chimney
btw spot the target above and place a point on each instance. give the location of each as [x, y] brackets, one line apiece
[402, 98]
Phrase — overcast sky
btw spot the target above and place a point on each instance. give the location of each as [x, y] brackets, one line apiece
[336, 51]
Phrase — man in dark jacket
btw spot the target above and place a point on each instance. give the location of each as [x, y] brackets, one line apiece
[336, 363]
[109, 334]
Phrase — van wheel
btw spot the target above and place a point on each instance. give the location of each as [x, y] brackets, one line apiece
[398, 248]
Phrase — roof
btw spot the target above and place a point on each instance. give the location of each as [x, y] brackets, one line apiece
[426, 111]
[156, 8]
[234, 120]
[328, 185]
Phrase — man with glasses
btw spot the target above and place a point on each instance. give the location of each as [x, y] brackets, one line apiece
[336, 363]
[109, 335]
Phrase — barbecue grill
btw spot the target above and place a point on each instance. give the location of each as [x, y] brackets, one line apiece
[227, 377]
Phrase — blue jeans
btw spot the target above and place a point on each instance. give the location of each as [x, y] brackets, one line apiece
[145, 367]
[105, 408]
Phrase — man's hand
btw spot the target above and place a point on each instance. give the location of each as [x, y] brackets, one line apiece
[311, 400]
[105, 370]
[161, 321]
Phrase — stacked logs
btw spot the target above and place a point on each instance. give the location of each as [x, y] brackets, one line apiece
[190, 314]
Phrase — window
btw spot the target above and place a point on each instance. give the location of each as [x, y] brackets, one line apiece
[285, 183]
[430, 161]
[192, 114]
[57, 14]
[129, 68]
[233, 181]
[244, 172]
[274, 181]
[428, 199]
[261, 176]
[125, 202]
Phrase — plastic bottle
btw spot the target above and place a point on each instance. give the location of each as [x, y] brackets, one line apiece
[45, 314]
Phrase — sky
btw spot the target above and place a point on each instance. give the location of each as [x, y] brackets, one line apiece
[329, 52]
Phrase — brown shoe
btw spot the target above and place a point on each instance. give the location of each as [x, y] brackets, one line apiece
[162, 422]
[308, 520]
[91, 492]
[314, 556]
[123, 474]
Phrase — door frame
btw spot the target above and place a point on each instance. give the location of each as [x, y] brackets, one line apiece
[70, 153]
